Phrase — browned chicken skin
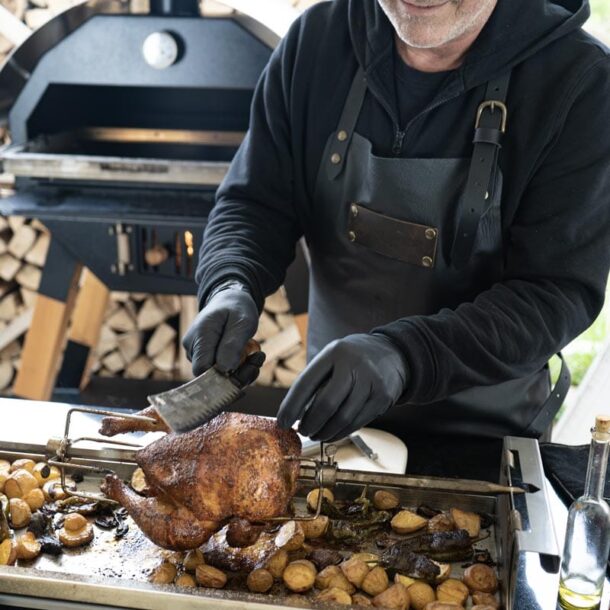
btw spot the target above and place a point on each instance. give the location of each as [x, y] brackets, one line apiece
[233, 466]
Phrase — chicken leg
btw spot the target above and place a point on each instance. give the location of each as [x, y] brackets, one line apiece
[170, 526]
[118, 425]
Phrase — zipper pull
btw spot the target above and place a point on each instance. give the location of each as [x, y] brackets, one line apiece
[398, 140]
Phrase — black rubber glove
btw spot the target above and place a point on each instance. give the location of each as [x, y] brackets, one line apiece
[351, 382]
[221, 330]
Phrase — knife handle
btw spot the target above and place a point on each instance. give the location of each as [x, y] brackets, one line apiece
[252, 347]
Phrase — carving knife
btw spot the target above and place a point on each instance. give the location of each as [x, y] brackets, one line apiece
[198, 401]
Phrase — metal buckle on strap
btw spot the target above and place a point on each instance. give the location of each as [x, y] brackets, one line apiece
[491, 104]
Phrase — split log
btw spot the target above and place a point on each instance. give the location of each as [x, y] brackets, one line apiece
[37, 17]
[297, 362]
[11, 351]
[3, 246]
[266, 327]
[17, 7]
[140, 368]
[16, 328]
[3, 219]
[169, 303]
[188, 312]
[9, 306]
[285, 377]
[28, 297]
[139, 296]
[130, 346]
[277, 302]
[151, 315]
[121, 320]
[15, 223]
[36, 224]
[166, 360]
[163, 334]
[283, 344]
[29, 277]
[4, 287]
[284, 320]
[38, 254]
[113, 362]
[22, 241]
[6, 374]
[5, 46]
[160, 375]
[119, 297]
[108, 341]
[9, 267]
[265, 376]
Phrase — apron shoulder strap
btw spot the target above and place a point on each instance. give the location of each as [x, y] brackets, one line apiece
[489, 129]
[541, 424]
[347, 124]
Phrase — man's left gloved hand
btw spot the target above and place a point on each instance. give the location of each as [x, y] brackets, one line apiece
[351, 382]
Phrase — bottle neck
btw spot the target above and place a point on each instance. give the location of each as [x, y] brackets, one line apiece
[596, 470]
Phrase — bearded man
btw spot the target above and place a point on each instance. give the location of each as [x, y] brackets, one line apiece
[448, 164]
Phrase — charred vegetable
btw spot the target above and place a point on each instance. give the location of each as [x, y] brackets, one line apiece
[442, 546]
[357, 530]
[411, 564]
[325, 557]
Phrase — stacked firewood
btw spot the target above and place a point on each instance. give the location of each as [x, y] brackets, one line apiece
[141, 334]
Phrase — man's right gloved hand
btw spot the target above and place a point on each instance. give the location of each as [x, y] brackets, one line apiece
[221, 330]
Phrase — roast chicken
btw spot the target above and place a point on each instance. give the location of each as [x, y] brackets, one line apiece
[232, 467]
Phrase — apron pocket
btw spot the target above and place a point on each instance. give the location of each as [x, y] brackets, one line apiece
[411, 243]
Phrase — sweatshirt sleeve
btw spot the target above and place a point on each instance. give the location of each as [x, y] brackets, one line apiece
[253, 227]
[557, 263]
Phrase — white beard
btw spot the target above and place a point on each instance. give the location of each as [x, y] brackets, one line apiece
[423, 33]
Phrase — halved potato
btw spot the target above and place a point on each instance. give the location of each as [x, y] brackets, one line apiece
[471, 522]
[405, 522]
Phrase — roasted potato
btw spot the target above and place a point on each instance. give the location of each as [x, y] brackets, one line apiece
[5, 466]
[23, 464]
[471, 522]
[484, 599]
[299, 577]
[334, 578]
[211, 577]
[316, 528]
[407, 581]
[375, 582]
[405, 522]
[277, 563]
[34, 499]
[259, 580]
[443, 606]
[421, 594]
[395, 597]
[290, 537]
[452, 590]
[27, 546]
[360, 599]
[43, 473]
[164, 574]
[19, 513]
[138, 481]
[355, 571]
[185, 580]
[366, 557]
[385, 500]
[193, 559]
[8, 552]
[20, 483]
[480, 577]
[77, 531]
[334, 596]
[312, 497]
[442, 522]
[445, 572]
[4, 475]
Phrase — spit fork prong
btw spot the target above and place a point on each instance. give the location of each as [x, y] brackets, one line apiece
[60, 448]
[325, 476]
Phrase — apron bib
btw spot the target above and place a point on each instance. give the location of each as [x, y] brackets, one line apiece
[386, 248]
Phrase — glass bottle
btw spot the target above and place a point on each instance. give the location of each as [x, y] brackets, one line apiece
[587, 540]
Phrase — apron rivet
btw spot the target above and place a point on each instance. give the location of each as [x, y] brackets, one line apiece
[351, 236]
[342, 135]
[430, 234]
[426, 261]
[335, 159]
[354, 209]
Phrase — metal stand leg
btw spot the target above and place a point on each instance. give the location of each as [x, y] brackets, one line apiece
[84, 332]
[45, 339]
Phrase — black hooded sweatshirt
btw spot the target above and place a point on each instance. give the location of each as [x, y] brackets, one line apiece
[555, 160]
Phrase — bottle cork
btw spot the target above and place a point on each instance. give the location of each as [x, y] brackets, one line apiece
[602, 424]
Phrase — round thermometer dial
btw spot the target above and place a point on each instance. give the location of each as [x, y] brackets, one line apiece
[160, 50]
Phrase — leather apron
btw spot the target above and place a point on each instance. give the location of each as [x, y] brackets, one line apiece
[383, 250]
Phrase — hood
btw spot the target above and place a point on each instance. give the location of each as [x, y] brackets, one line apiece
[516, 30]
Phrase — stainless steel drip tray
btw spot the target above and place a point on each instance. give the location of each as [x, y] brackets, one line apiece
[115, 573]
[170, 157]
